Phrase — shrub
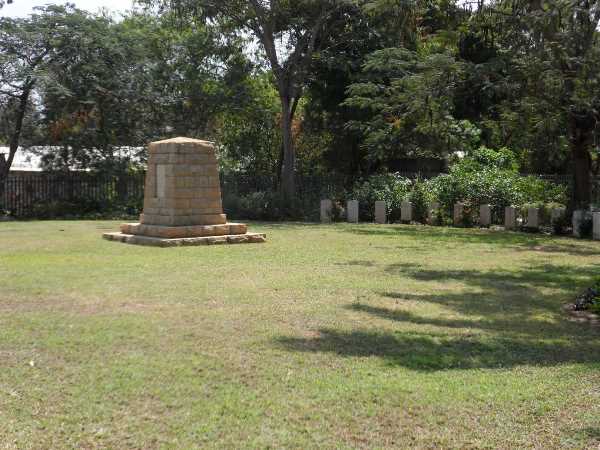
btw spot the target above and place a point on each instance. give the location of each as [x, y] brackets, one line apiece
[590, 299]
[420, 197]
[491, 177]
[260, 205]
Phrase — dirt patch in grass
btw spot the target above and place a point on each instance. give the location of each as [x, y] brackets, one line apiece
[586, 317]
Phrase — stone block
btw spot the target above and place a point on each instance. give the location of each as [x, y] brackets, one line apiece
[202, 240]
[485, 215]
[533, 218]
[352, 211]
[459, 214]
[326, 211]
[406, 211]
[510, 218]
[380, 212]
[596, 232]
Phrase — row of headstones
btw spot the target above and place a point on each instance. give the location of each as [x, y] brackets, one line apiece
[485, 215]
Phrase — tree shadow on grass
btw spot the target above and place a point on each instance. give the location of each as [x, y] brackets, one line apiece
[431, 352]
[522, 323]
[518, 241]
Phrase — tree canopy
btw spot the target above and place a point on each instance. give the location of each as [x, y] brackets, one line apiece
[342, 88]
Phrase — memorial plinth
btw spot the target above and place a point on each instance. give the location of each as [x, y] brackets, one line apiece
[182, 200]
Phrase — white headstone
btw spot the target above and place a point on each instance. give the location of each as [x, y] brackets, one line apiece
[326, 211]
[485, 215]
[557, 214]
[596, 226]
[578, 217]
[352, 211]
[380, 212]
[406, 211]
[533, 218]
[510, 218]
[459, 213]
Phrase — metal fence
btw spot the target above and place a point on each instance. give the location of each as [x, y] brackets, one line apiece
[41, 195]
[33, 195]
[49, 194]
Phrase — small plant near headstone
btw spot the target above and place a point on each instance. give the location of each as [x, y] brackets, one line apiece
[589, 300]
[468, 216]
[338, 213]
[441, 218]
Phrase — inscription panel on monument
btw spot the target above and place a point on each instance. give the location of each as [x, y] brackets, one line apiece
[161, 180]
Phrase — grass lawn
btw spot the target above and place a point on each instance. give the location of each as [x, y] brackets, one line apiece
[326, 336]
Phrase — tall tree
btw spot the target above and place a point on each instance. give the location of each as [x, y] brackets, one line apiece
[27, 49]
[289, 33]
[552, 54]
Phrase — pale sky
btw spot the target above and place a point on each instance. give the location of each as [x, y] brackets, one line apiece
[22, 8]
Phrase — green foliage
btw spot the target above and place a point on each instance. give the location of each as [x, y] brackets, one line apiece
[254, 206]
[407, 99]
[420, 197]
[490, 177]
[84, 208]
[249, 136]
[391, 188]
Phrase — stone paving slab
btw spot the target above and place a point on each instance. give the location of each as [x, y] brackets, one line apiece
[248, 238]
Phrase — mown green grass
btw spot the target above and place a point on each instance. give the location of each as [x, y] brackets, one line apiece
[326, 336]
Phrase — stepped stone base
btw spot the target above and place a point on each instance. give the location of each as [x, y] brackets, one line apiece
[168, 232]
[246, 238]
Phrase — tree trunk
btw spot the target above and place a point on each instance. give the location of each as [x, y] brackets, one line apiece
[288, 173]
[582, 138]
[15, 137]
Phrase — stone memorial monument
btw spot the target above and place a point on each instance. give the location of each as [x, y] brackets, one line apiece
[182, 200]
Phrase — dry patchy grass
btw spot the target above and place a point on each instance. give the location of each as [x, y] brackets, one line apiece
[327, 336]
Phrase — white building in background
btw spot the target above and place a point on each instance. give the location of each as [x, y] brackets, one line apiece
[27, 161]
[24, 161]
